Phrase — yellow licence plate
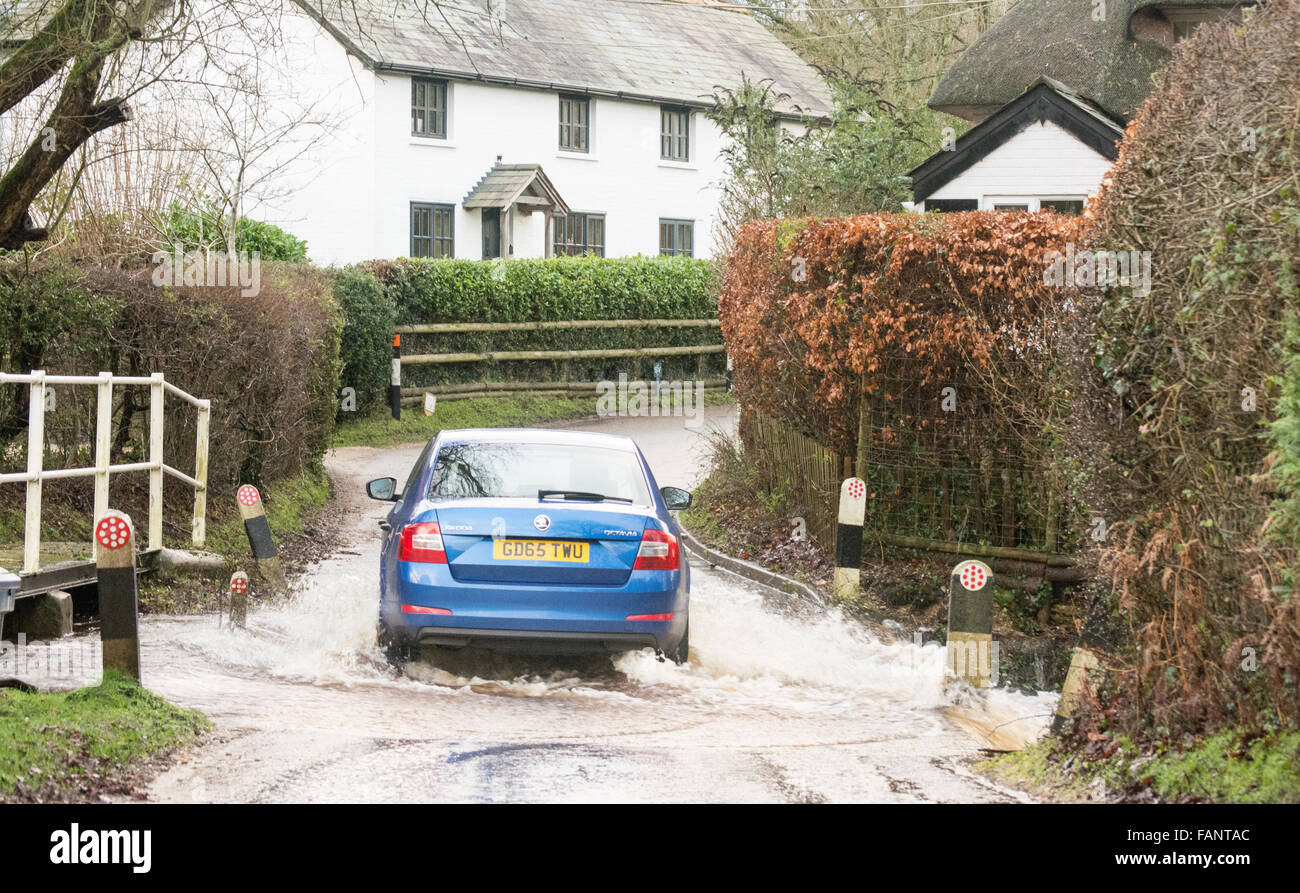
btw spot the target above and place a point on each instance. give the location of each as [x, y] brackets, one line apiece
[540, 550]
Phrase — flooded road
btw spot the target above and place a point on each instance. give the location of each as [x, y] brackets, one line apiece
[780, 701]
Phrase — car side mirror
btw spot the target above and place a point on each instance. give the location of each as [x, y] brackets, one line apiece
[383, 489]
[676, 498]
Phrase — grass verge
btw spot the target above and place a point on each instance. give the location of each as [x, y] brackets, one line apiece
[76, 745]
[734, 514]
[1228, 767]
[289, 503]
[377, 428]
[293, 504]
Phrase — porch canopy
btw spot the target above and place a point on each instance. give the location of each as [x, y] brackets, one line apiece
[525, 187]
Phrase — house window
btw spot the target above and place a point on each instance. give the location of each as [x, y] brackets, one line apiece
[677, 237]
[575, 124]
[1186, 21]
[1072, 206]
[674, 134]
[429, 108]
[1011, 207]
[949, 205]
[579, 234]
[432, 230]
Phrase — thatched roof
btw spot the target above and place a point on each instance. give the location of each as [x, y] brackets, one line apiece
[1058, 39]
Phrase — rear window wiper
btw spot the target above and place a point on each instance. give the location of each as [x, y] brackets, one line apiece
[581, 496]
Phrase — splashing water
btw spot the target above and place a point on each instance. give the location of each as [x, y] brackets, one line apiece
[754, 652]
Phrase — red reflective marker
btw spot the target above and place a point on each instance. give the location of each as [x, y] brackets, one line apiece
[112, 532]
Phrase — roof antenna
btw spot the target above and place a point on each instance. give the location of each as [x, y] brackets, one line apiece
[498, 159]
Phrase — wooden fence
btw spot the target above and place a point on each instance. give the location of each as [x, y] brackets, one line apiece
[806, 473]
[559, 386]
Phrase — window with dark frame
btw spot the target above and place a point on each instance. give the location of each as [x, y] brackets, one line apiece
[433, 232]
[674, 134]
[677, 237]
[575, 124]
[429, 108]
[949, 205]
[1063, 205]
[579, 234]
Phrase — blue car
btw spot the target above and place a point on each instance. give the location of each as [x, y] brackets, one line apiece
[533, 540]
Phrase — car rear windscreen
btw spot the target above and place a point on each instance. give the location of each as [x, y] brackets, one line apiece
[520, 470]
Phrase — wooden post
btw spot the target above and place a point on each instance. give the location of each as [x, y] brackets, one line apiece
[259, 537]
[970, 623]
[35, 460]
[200, 524]
[119, 629]
[238, 599]
[395, 382]
[864, 431]
[155, 460]
[1077, 687]
[848, 539]
[103, 440]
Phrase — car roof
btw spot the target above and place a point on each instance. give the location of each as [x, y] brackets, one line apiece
[537, 435]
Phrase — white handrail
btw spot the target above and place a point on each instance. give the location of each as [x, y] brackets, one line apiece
[35, 474]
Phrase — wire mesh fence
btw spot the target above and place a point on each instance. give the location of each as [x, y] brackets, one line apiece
[942, 464]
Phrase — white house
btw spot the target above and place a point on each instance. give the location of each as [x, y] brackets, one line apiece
[525, 129]
[1050, 87]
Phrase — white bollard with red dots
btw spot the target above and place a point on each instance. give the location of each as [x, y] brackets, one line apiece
[970, 624]
[848, 539]
[119, 628]
[238, 599]
[259, 536]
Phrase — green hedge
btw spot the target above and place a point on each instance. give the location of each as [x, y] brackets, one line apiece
[542, 290]
[365, 347]
[557, 288]
[268, 362]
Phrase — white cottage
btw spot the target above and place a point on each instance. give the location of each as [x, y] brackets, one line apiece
[526, 129]
[1050, 87]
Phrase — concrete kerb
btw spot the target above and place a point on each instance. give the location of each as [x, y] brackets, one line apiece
[751, 571]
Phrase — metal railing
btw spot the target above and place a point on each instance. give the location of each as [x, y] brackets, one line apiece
[36, 473]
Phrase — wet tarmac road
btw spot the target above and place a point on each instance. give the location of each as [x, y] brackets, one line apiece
[780, 701]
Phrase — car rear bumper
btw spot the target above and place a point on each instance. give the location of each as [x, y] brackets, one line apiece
[535, 641]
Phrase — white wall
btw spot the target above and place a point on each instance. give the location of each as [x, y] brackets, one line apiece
[1043, 160]
[331, 199]
[356, 205]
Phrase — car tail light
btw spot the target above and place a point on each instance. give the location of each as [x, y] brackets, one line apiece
[421, 609]
[661, 617]
[423, 543]
[658, 551]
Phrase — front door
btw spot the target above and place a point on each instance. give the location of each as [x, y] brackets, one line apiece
[491, 233]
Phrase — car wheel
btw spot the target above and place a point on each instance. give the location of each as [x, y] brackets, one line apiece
[396, 648]
[683, 652]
